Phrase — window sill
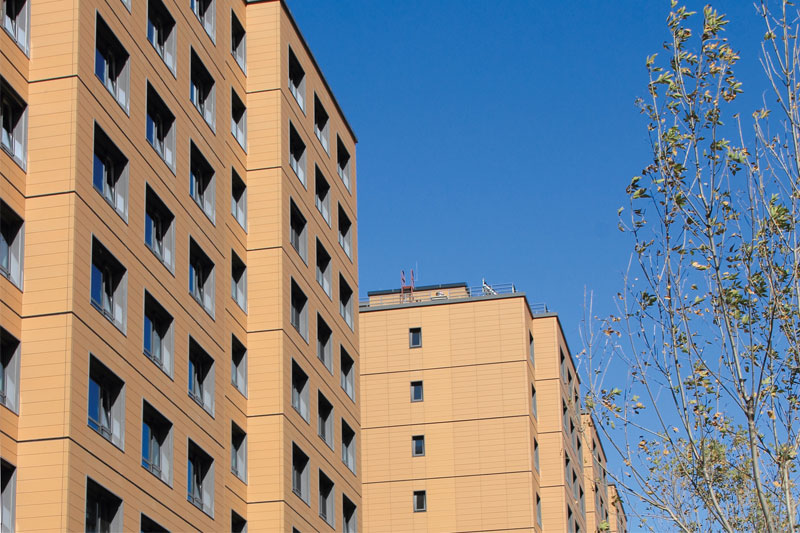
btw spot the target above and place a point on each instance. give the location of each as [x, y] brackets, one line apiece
[328, 444]
[108, 439]
[296, 493]
[7, 275]
[306, 418]
[124, 107]
[243, 67]
[240, 478]
[351, 469]
[16, 41]
[168, 484]
[200, 303]
[123, 216]
[170, 166]
[200, 506]
[235, 386]
[5, 403]
[208, 409]
[158, 364]
[170, 268]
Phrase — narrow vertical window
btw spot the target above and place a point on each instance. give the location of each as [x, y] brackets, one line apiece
[238, 452]
[111, 63]
[201, 277]
[238, 365]
[109, 285]
[420, 501]
[201, 376]
[347, 373]
[324, 344]
[327, 499]
[324, 268]
[158, 334]
[239, 199]
[299, 311]
[415, 338]
[297, 154]
[12, 238]
[300, 388]
[9, 370]
[110, 172]
[346, 302]
[238, 120]
[106, 403]
[160, 127]
[205, 11]
[103, 509]
[238, 42]
[349, 515]
[161, 32]
[325, 419]
[321, 123]
[343, 162]
[345, 237]
[297, 80]
[348, 446]
[17, 22]
[418, 445]
[300, 481]
[14, 121]
[297, 231]
[416, 391]
[200, 479]
[202, 182]
[159, 228]
[238, 281]
[202, 91]
[322, 198]
[156, 443]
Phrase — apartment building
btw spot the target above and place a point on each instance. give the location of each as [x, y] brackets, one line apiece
[179, 272]
[471, 418]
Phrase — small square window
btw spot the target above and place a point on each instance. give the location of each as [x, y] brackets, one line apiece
[9, 370]
[201, 277]
[416, 391]
[239, 199]
[238, 120]
[161, 32]
[300, 481]
[159, 229]
[415, 337]
[160, 127]
[110, 172]
[325, 419]
[158, 334]
[202, 91]
[109, 285]
[201, 376]
[238, 42]
[202, 182]
[348, 447]
[297, 80]
[238, 452]
[111, 63]
[324, 268]
[148, 525]
[156, 443]
[299, 314]
[238, 523]
[322, 198]
[238, 281]
[200, 476]
[14, 120]
[418, 445]
[205, 11]
[300, 388]
[238, 365]
[106, 403]
[324, 344]
[17, 21]
[343, 162]
[297, 154]
[103, 509]
[297, 230]
[12, 245]
[420, 503]
[346, 302]
[321, 123]
[347, 373]
[327, 499]
[345, 237]
[349, 515]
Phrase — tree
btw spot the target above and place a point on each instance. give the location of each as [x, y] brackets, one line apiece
[708, 326]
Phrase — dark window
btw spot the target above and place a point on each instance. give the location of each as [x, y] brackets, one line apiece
[159, 229]
[323, 268]
[156, 443]
[106, 402]
[300, 481]
[103, 509]
[110, 172]
[238, 120]
[297, 80]
[200, 479]
[322, 197]
[161, 31]
[202, 91]
[17, 21]
[201, 182]
[158, 334]
[239, 199]
[348, 446]
[297, 230]
[416, 391]
[347, 373]
[160, 127]
[321, 123]
[9, 370]
[346, 302]
[327, 499]
[299, 316]
[205, 11]
[343, 162]
[238, 452]
[201, 277]
[324, 344]
[201, 376]
[238, 523]
[239, 281]
[300, 390]
[148, 525]
[420, 503]
[14, 120]
[109, 291]
[325, 419]
[345, 237]
[349, 513]
[415, 337]
[238, 365]
[11, 245]
[418, 445]
[238, 42]
[297, 154]
[111, 63]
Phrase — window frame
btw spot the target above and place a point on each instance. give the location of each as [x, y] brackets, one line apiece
[416, 500]
[298, 310]
[10, 353]
[202, 90]
[238, 452]
[297, 154]
[113, 285]
[325, 420]
[160, 127]
[239, 205]
[116, 194]
[8, 495]
[238, 281]
[323, 133]
[19, 33]
[346, 305]
[345, 233]
[201, 377]
[164, 31]
[324, 269]
[161, 431]
[239, 370]
[202, 182]
[349, 446]
[324, 343]
[159, 223]
[347, 380]
[14, 129]
[104, 497]
[298, 90]
[208, 16]
[322, 195]
[115, 58]
[202, 274]
[301, 474]
[200, 472]
[12, 245]
[298, 230]
[418, 446]
[415, 331]
[300, 391]
[154, 311]
[109, 420]
[327, 499]
[421, 398]
[343, 160]
[238, 45]
[238, 120]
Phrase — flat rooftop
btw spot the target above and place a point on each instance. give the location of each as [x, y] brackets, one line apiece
[442, 294]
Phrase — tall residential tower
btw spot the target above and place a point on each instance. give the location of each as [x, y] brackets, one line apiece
[178, 315]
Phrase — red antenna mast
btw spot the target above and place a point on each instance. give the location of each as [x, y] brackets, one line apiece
[406, 290]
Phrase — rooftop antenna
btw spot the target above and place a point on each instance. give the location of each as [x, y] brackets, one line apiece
[406, 289]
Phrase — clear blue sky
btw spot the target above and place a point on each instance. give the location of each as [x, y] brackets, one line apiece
[496, 138]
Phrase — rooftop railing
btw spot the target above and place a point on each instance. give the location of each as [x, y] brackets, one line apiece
[454, 293]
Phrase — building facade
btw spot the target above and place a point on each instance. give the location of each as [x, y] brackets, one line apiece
[179, 267]
[471, 418]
